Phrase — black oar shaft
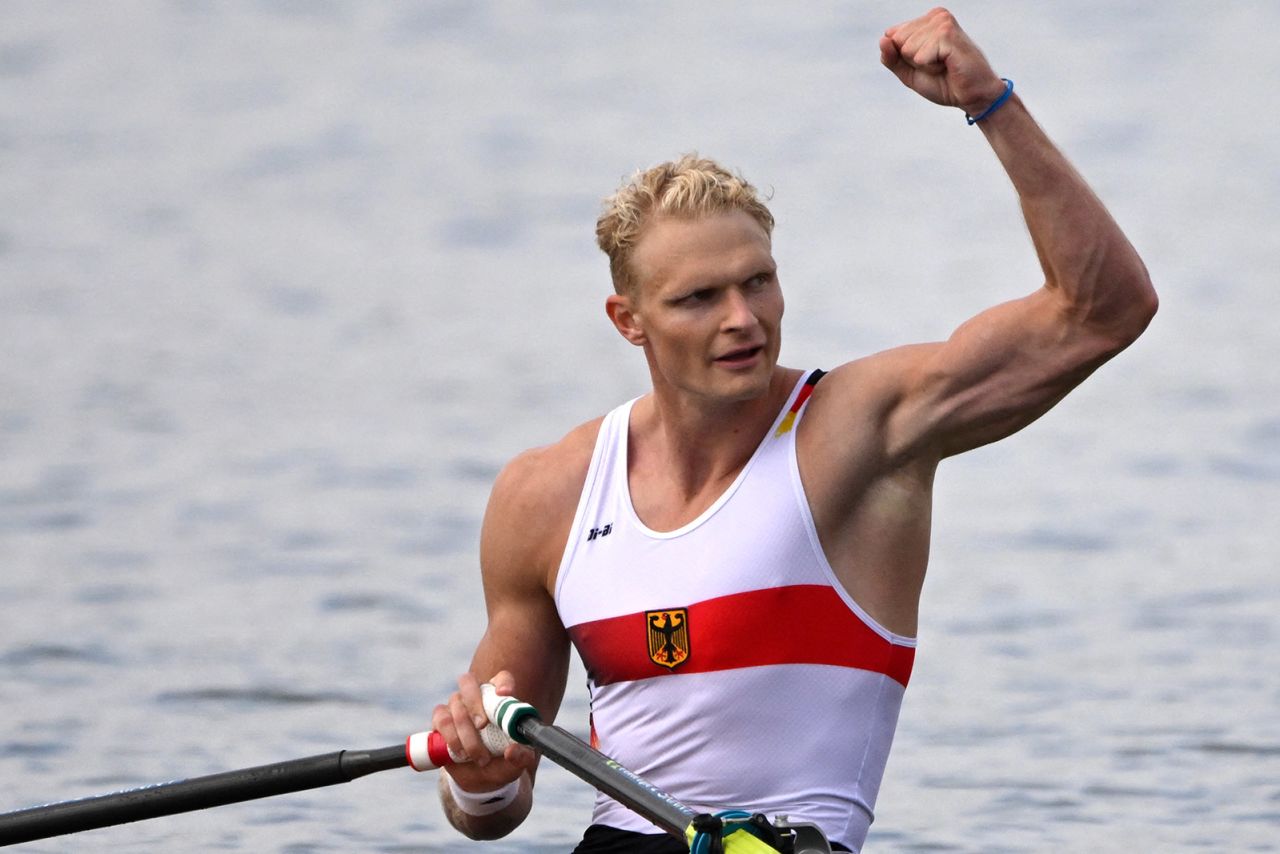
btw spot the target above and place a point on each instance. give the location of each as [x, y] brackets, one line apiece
[197, 793]
[576, 756]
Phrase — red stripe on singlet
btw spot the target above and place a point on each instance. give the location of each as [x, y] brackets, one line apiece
[799, 624]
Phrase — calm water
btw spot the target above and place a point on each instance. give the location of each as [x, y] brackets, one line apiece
[283, 284]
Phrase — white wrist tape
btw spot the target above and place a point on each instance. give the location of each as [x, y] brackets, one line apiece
[483, 803]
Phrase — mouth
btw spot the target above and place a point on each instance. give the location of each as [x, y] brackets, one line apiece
[741, 357]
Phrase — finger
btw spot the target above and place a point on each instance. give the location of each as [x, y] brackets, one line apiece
[469, 689]
[468, 735]
[504, 683]
[441, 720]
[892, 60]
[520, 756]
[922, 50]
[889, 56]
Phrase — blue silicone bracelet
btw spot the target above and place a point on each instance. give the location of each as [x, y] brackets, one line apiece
[1008, 90]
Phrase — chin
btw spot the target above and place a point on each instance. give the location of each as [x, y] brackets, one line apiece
[747, 386]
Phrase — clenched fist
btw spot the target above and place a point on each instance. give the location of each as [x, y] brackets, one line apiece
[937, 59]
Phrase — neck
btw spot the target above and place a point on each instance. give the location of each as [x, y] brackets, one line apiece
[700, 442]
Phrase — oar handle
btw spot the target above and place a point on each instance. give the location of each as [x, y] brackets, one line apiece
[427, 751]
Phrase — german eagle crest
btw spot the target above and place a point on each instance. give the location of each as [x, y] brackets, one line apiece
[668, 631]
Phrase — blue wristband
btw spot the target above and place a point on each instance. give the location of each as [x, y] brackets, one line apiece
[1008, 90]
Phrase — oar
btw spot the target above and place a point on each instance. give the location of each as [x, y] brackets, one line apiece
[509, 719]
[423, 751]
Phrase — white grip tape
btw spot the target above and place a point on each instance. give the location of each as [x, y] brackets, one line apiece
[427, 750]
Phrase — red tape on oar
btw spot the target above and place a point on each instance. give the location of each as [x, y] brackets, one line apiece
[427, 751]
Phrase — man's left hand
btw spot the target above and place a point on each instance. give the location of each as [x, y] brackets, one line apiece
[934, 57]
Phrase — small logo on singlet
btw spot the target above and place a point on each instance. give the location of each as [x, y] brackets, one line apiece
[668, 631]
[600, 532]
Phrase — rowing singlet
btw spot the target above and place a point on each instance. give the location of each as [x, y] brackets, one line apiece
[725, 662]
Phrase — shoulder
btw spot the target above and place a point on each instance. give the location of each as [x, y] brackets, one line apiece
[550, 476]
[533, 502]
[873, 384]
[857, 403]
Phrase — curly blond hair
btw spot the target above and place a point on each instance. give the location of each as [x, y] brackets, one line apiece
[687, 188]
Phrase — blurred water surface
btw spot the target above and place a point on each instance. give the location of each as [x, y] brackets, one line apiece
[283, 284]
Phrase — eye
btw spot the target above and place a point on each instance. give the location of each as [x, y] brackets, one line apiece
[699, 297]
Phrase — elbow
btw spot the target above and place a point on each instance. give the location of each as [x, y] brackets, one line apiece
[485, 828]
[1134, 312]
[1151, 304]
[1144, 303]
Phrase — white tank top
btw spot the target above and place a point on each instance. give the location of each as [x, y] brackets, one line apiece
[726, 663]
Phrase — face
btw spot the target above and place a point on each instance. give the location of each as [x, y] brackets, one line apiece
[707, 307]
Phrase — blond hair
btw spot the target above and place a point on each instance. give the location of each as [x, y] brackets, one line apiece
[687, 188]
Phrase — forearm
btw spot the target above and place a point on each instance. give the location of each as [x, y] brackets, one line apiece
[494, 825]
[1085, 256]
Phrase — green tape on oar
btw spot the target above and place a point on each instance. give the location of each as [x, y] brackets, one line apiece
[506, 712]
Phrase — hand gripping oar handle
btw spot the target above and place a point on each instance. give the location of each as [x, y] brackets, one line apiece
[427, 751]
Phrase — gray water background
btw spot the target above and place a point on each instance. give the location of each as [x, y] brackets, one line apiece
[283, 284]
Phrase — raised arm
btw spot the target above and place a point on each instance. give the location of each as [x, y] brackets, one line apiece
[525, 649]
[876, 427]
[1007, 366]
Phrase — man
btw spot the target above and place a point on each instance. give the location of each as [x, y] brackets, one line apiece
[738, 555]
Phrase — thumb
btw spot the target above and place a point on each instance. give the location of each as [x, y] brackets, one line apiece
[503, 682]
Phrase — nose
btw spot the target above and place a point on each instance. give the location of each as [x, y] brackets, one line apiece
[739, 313]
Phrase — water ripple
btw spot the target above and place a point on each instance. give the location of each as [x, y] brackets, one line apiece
[28, 749]
[1144, 792]
[1237, 748]
[1245, 468]
[1045, 539]
[38, 654]
[263, 695]
[396, 605]
[1012, 622]
[986, 785]
[474, 470]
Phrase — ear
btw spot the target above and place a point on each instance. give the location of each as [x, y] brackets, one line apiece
[625, 319]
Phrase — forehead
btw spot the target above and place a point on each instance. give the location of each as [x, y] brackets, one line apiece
[726, 246]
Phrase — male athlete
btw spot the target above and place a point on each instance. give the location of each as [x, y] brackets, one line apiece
[738, 555]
